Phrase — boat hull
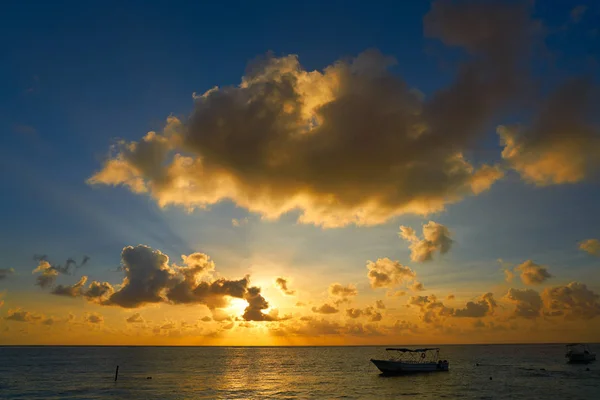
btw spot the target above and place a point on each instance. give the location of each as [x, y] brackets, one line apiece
[581, 358]
[389, 367]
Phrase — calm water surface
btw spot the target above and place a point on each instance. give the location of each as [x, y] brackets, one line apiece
[517, 371]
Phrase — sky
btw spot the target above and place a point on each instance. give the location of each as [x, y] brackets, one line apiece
[320, 173]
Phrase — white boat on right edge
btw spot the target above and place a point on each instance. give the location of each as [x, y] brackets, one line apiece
[579, 353]
[403, 361]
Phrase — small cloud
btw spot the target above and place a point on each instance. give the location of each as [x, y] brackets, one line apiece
[388, 273]
[94, 318]
[6, 272]
[591, 246]
[325, 309]
[450, 297]
[528, 303]
[206, 319]
[436, 237]
[239, 222]
[532, 273]
[282, 284]
[337, 289]
[398, 293]
[417, 287]
[135, 319]
[577, 13]
[300, 304]
[379, 304]
[21, 315]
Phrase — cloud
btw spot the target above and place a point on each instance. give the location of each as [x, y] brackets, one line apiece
[508, 275]
[49, 272]
[450, 297]
[574, 301]
[325, 309]
[431, 310]
[282, 283]
[484, 306]
[532, 274]
[528, 303]
[398, 293]
[591, 246]
[256, 305]
[150, 278]
[562, 145]
[93, 318]
[20, 315]
[379, 304]
[351, 144]
[239, 222]
[337, 289]
[6, 272]
[70, 291]
[417, 287]
[436, 237]
[387, 273]
[135, 319]
[370, 312]
[577, 13]
[206, 319]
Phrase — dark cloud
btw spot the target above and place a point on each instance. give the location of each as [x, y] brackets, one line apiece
[256, 305]
[482, 307]
[21, 315]
[528, 303]
[370, 312]
[562, 144]
[339, 290]
[436, 237]
[70, 291]
[325, 309]
[379, 304]
[352, 144]
[147, 274]
[431, 310]
[135, 319]
[282, 284]
[94, 318]
[6, 272]
[577, 13]
[150, 278]
[49, 272]
[574, 301]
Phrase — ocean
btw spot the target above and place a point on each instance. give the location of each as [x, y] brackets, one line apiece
[504, 372]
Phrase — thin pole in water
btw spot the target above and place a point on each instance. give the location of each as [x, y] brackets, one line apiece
[116, 373]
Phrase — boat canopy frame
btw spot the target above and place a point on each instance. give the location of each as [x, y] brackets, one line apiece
[415, 356]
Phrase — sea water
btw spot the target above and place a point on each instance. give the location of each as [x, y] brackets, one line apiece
[476, 372]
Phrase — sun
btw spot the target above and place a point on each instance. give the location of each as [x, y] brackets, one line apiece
[237, 306]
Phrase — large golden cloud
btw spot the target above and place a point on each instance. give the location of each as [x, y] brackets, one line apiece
[351, 144]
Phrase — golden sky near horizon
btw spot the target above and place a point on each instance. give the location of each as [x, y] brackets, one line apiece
[335, 206]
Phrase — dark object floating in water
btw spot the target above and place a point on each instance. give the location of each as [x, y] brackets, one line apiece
[587, 369]
[579, 353]
[542, 369]
[490, 378]
[148, 377]
[116, 373]
[477, 364]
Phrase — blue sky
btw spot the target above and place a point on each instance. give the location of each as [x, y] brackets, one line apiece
[77, 75]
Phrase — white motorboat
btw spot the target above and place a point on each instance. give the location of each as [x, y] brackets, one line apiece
[404, 361]
[579, 353]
